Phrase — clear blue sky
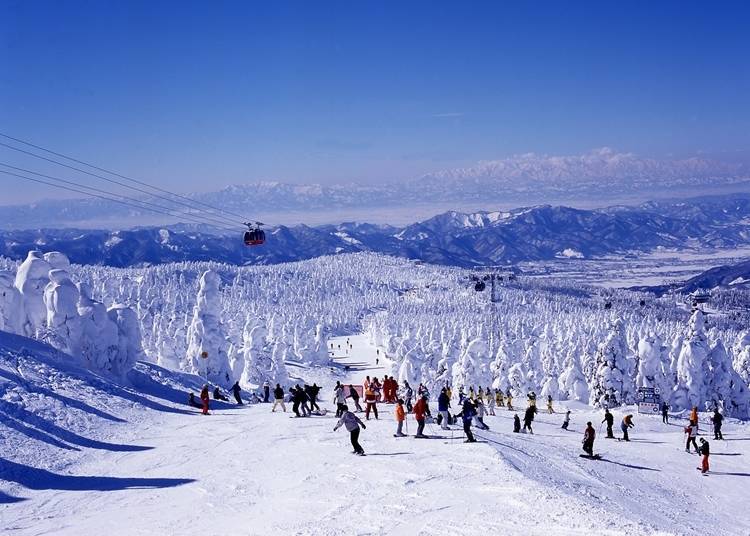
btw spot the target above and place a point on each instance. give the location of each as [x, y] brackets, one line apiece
[194, 95]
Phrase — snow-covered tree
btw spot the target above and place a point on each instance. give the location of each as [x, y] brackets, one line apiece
[11, 304]
[32, 277]
[572, 383]
[207, 345]
[692, 367]
[63, 321]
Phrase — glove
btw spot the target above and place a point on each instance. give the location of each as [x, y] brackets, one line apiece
[365, 427]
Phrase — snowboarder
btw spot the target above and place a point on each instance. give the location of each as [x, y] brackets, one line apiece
[516, 424]
[717, 420]
[704, 451]
[566, 422]
[528, 418]
[204, 398]
[627, 422]
[400, 418]
[691, 430]
[549, 404]
[610, 420]
[193, 402]
[236, 389]
[467, 413]
[588, 439]
[354, 395]
[278, 398]
[352, 423]
[218, 395]
[266, 391]
[443, 404]
[665, 412]
[421, 410]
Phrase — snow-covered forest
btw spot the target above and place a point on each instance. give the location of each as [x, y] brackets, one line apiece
[552, 336]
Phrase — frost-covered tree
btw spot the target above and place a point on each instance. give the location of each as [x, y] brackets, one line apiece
[32, 277]
[725, 387]
[690, 389]
[100, 337]
[742, 356]
[613, 383]
[63, 321]
[207, 344]
[129, 348]
[653, 365]
[11, 304]
[572, 383]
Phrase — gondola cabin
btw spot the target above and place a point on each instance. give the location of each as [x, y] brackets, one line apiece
[255, 237]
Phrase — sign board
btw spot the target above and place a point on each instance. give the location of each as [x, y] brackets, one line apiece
[649, 400]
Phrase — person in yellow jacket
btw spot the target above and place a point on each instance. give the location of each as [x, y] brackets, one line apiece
[499, 400]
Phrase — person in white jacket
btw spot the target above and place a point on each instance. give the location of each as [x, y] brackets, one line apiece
[339, 398]
[352, 423]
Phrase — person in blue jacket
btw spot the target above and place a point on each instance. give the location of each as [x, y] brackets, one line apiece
[443, 404]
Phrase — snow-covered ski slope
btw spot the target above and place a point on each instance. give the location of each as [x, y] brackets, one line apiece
[83, 455]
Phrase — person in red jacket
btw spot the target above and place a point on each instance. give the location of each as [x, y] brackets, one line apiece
[204, 397]
[400, 418]
[421, 410]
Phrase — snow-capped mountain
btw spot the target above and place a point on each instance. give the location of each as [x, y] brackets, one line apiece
[451, 238]
[599, 177]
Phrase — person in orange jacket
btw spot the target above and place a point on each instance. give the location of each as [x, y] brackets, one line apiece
[421, 410]
[627, 422]
[400, 418]
[694, 415]
[204, 398]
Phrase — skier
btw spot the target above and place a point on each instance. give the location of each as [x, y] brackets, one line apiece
[443, 404]
[490, 403]
[627, 422]
[400, 418]
[461, 395]
[352, 423]
[691, 431]
[528, 418]
[236, 389]
[499, 398]
[420, 411]
[665, 412]
[549, 404]
[304, 399]
[312, 393]
[509, 398]
[566, 422]
[479, 417]
[704, 450]
[204, 398]
[193, 402]
[717, 420]
[354, 395]
[531, 398]
[467, 413]
[278, 398]
[218, 395]
[266, 391]
[408, 394]
[694, 414]
[516, 423]
[610, 420]
[588, 439]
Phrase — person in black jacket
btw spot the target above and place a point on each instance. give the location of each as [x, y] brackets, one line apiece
[528, 418]
[704, 450]
[467, 413]
[516, 423]
[665, 412]
[354, 395]
[717, 420]
[610, 420]
[278, 398]
[443, 404]
[236, 392]
[218, 395]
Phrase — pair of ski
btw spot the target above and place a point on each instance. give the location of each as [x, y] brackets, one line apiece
[591, 456]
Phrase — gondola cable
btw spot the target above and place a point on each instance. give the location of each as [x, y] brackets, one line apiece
[136, 181]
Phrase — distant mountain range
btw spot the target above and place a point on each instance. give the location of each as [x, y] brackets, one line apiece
[596, 178]
[452, 238]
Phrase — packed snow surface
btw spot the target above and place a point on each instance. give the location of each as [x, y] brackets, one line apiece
[84, 455]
